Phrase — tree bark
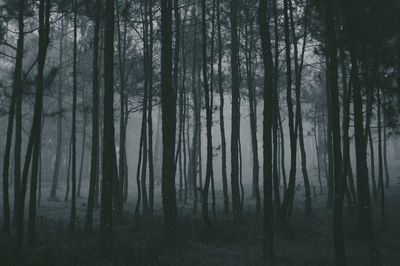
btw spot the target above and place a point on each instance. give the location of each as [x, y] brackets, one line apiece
[221, 113]
[94, 163]
[168, 105]
[338, 232]
[236, 206]
[108, 126]
[56, 172]
[289, 195]
[268, 242]
[73, 132]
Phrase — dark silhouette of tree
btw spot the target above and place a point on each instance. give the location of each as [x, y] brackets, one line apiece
[108, 126]
[168, 105]
[332, 85]
[94, 163]
[236, 206]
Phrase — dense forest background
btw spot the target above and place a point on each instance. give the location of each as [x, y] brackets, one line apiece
[210, 132]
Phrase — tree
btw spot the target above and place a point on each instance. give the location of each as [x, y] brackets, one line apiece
[57, 163]
[168, 105]
[108, 125]
[209, 164]
[331, 48]
[236, 206]
[253, 110]
[289, 195]
[94, 163]
[33, 147]
[221, 112]
[73, 128]
[267, 127]
[15, 97]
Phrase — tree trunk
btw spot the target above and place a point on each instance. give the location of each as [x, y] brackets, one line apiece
[338, 234]
[196, 118]
[209, 165]
[380, 159]
[15, 106]
[108, 126]
[364, 203]
[299, 119]
[275, 124]
[317, 148]
[56, 172]
[83, 148]
[372, 155]
[34, 139]
[385, 147]
[221, 113]
[150, 111]
[237, 212]
[73, 133]
[267, 127]
[168, 105]
[289, 195]
[94, 163]
[253, 111]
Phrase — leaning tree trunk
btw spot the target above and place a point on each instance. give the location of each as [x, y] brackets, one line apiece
[15, 106]
[32, 151]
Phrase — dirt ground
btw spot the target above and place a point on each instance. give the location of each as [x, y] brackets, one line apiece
[308, 241]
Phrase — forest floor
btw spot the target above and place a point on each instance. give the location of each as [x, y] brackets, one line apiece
[308, 241]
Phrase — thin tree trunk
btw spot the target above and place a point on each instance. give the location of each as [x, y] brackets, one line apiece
[150, 111]
[209, 165]
[282, 136]
[268, 242]
[168, 105]
[372, 155]
[275, 125]
[73, 133]
[289, 195]
[237, 212]
[196, 118]
[385, 161]
[364, 204]
[299, 119]
[56, 172]
[66, 198]
[221, 113]
[338, 234]
[94, 163]
[34, 140]
[82, 150]
[15, 106]
[380, 159]
[108, 126]
[253, 111]
[317, 149]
